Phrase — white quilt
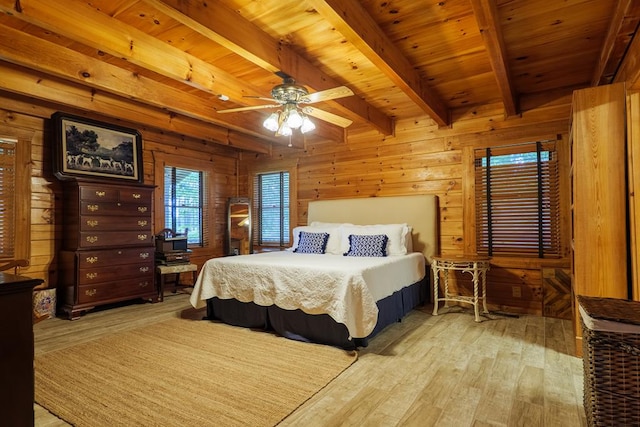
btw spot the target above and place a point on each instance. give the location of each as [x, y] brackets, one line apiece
[345, 288]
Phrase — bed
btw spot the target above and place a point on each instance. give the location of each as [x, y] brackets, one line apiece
[329, 298]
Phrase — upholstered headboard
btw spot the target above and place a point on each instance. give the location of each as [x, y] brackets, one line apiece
[420, 212]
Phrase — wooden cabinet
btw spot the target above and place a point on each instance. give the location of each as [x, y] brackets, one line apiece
[108, 252]
[633, 155]
[16, 350]
[599, 195]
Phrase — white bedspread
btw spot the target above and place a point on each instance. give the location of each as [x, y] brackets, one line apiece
[345, 288]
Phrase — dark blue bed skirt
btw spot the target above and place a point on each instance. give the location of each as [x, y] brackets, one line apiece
[317, 328]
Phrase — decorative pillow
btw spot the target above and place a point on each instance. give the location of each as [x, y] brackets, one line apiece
[312, 243]
[397, 235]
[367, 245]
[333, 244]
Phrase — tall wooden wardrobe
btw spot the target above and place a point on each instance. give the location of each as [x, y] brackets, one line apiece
[599, 196]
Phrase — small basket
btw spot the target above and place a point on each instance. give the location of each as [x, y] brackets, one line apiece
[611, 360]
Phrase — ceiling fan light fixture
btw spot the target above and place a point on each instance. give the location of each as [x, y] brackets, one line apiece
[307, 125]
[284, 130]
[294, 119]
[271, 123]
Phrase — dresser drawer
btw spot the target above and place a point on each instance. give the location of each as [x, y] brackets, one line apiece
[103, 193]
[122, 289]
[108, 257]
[99, 193]
[106, 223]
[114, 273]
[135, 195]
[115, 208]
[100, 239]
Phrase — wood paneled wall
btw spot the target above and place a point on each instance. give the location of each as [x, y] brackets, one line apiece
[419, 159]
[423, 159]
[31, 125]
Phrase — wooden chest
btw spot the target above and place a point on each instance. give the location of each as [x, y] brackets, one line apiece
[108, 249]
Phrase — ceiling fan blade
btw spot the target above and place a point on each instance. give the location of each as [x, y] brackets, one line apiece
[260, 97]
[326, 95]
[327, 116]
[252, 107]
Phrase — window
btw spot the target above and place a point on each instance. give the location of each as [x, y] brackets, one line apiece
[272, 207]
[15, 199]
[183, 202]
[7, 198]
[517, 200]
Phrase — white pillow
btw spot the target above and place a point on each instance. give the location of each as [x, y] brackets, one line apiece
[328, 224]
[333, 244]
[408, 239]
[397, 234]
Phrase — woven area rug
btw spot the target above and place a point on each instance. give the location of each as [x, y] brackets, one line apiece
[184, 373]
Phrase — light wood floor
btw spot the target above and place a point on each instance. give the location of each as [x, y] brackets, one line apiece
[428, 370]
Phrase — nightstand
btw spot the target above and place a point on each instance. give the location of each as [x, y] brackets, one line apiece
[476, 266]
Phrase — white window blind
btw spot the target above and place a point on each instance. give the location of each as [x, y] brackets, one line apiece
[517, 200]
[271, 204]
[184, 202]
[7, 198]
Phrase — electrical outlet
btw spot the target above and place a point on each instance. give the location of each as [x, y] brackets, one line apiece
[516, 292]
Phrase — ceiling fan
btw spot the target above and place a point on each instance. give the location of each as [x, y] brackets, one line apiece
[294, 100]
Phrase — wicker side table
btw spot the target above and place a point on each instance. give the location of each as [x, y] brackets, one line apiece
[474, 265]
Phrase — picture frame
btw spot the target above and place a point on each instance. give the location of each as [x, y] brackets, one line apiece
[86, 148]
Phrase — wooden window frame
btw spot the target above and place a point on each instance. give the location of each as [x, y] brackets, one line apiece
[469, 190]
[22, 204]
[163, 160]
[284, 166]
[530, 188]
[202, 175]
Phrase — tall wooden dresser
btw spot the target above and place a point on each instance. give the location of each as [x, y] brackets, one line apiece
[108, 252]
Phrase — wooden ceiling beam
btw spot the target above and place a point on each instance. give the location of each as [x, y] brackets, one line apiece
[34, 84]
[629, 70]
[359, 28]
[85, 25]
[80, 22]
[486, 13]
[229, 29]
[32, 52]
[620, 34]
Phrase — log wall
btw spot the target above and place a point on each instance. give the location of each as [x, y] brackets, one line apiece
[29, 123]
[419, 159]
[423, 159]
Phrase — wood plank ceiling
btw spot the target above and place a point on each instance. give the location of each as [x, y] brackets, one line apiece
[176, 59]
